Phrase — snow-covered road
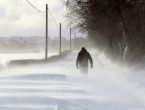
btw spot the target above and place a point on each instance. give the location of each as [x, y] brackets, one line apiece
[60, 86]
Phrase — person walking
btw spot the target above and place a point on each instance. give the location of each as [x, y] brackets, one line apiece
[82, 60]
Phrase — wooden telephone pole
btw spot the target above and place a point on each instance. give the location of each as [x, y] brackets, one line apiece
[74, 40]
[46, 41]
[60, 41]
[70, 39]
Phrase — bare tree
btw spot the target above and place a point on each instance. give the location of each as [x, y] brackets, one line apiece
[117, 26]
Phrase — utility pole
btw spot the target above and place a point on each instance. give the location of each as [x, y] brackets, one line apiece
[60, 41]
[74, 40]
[46, 44]
[70, 39]
[77, 43]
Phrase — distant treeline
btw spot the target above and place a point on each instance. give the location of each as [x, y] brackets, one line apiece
[115, 26]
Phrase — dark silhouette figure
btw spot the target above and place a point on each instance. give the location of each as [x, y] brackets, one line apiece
[82, 60]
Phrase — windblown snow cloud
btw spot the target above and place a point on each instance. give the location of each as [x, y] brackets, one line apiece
[18, 18]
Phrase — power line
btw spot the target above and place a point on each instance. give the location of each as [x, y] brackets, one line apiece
[50, 14]
[34, 7]
[53, 18]
[64, 31]
[55, 22]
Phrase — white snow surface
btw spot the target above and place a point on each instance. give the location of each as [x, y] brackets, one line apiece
[60, 86]
[5, 58]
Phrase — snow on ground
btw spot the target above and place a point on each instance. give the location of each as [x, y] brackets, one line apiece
[60, 86]
[5, 58]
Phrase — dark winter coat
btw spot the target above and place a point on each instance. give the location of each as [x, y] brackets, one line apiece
[82, 59]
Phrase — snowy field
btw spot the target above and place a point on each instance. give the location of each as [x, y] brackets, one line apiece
[60, 86]
[5, 58]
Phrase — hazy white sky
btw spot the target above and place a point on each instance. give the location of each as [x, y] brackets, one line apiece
[18, 18]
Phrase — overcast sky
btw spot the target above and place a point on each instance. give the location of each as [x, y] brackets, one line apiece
[18, 18]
